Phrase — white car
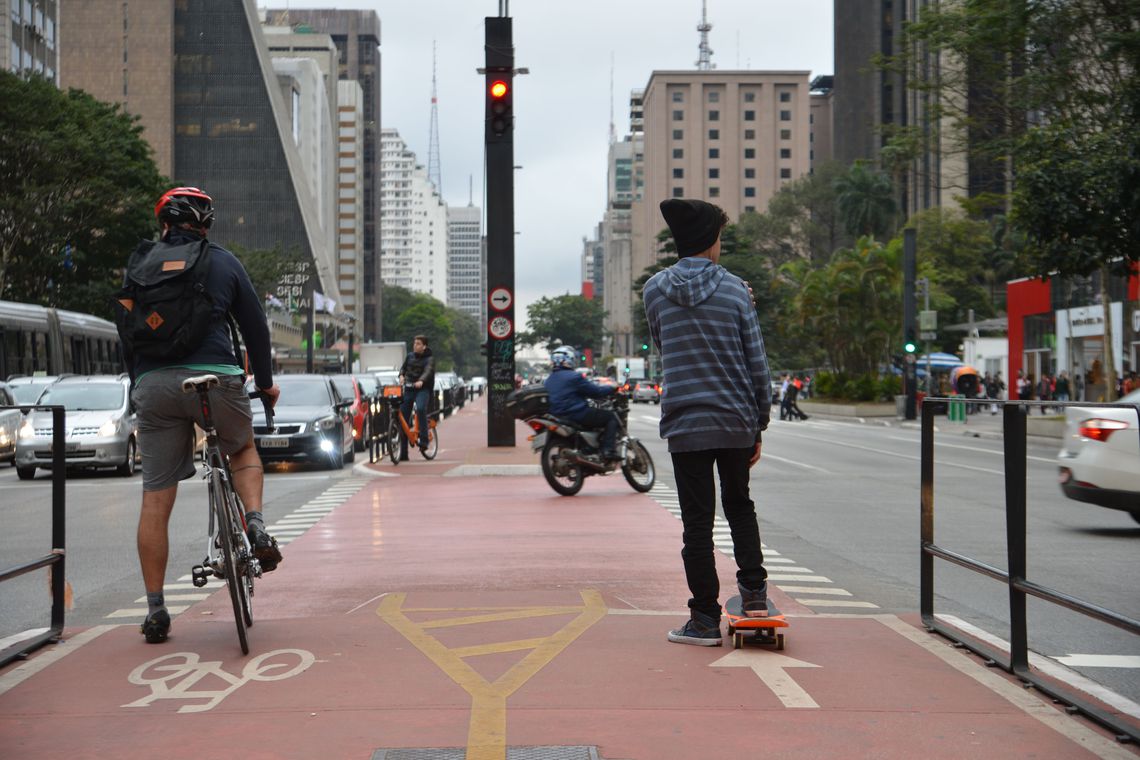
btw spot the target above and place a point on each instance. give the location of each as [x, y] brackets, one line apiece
[1100, 456]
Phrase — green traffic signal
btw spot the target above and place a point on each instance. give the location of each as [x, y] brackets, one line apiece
[644, 346]
[910, 347]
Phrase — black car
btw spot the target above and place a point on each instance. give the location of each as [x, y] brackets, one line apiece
[312, 423]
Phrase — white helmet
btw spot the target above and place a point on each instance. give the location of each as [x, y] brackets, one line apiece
[563, 356]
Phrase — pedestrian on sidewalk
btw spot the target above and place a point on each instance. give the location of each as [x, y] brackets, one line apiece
[704, 324]
[192, 288]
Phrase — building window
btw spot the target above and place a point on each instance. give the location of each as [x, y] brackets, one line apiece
[749, 192]
[678, 153]
[785, 173]
[785, 134]
[678, 192]
[750, 116]
[678, 116]
[811, 118]
[714, 134]
[678, 134]
[678, 173]
[785, 115]
[750, 134]
[714, 115]
[750, 209]
[714, 192]
[785, 152]
[785, 97]
[714, 96]
[678, 96]
[749, 97]
[714, 152]
[749, 174]
[750, 153]
[714, 173]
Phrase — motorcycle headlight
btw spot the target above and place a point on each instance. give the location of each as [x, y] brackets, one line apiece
[27, 431]
[325, 423]
[108, 428]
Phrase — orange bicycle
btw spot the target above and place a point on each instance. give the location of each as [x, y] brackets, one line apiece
[398, 426]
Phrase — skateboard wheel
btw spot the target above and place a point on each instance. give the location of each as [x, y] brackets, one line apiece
[737, 641]
[780, 641]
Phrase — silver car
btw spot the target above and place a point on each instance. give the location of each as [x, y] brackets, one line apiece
[101, 428]
[10, 420]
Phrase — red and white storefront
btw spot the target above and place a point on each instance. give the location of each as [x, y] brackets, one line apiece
[1049, 332]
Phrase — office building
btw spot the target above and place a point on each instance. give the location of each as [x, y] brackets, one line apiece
[29, 37]
[350, 196]
[413, 230]
[466, 262]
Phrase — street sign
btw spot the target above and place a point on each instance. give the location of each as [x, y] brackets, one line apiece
[928, 320]
[500, 328]
[928, 335]
[500, 299]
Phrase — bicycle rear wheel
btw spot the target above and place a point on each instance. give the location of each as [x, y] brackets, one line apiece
[394, 437]
[433, 443]
[224, 511]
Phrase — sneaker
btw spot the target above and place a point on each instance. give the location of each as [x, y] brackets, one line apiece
[611, 456]
[699, 630]
[754, 601]
[156, 627]
[264, 548]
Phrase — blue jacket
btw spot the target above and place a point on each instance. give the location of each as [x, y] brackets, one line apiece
[717, 386]
[569, 390]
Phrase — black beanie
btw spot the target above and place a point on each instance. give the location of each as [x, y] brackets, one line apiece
[695, 224]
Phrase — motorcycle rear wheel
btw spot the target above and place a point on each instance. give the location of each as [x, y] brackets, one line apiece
[638, 468]
[565, 478]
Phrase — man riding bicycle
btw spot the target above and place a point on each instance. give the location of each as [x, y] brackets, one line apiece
[568, 392]
[417, 374]
[166, 415]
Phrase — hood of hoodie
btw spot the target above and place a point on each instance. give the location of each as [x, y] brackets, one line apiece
[691, 281]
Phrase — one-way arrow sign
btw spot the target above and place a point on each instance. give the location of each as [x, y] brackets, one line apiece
[770, 667]
[500, 299]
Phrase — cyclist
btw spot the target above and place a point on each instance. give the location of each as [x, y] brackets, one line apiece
[166, 415]
[568, 392]
[417, 372]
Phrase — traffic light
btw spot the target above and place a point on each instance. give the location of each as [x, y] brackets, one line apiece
[910, 345]
[499, 106]
[644, 346]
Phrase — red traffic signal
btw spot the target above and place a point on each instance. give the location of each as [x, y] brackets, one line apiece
[499, 89]
[499, 118]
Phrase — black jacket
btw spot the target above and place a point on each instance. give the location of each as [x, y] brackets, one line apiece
[419, 367]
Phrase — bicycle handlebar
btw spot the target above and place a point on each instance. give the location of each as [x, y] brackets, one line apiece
[268, 408]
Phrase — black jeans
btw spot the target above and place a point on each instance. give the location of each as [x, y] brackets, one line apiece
[598, 419]
[696, 492]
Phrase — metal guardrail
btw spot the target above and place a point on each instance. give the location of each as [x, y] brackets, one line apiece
[1014, 414]
[55, 559]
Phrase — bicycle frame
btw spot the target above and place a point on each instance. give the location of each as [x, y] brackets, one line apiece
[412, 433]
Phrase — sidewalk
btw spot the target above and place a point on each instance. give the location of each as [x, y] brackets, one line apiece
[486, 617]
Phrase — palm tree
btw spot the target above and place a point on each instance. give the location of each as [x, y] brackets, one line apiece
[865, 198]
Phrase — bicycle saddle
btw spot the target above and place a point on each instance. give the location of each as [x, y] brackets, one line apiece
[200, 383]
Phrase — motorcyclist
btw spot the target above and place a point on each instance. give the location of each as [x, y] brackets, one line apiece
[568, 392]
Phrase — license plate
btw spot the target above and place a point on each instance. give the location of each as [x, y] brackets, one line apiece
[275, 442]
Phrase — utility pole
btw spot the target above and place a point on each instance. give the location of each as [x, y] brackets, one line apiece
[499, 146]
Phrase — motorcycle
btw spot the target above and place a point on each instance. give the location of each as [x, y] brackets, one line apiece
[571, 453]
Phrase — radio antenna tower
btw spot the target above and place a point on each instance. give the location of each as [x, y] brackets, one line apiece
[433, 141]
[613, 129]
[704, 63]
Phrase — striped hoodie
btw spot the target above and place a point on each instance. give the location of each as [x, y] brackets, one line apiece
[717, 386]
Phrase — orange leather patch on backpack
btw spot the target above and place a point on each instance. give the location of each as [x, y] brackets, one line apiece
[173, 266]
[155, 320]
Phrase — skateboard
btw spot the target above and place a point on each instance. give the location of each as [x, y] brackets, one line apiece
[763, 631]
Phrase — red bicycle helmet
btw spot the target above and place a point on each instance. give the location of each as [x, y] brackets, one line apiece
[185, 205]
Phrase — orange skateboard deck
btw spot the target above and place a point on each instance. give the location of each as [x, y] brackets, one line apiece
[763, 631]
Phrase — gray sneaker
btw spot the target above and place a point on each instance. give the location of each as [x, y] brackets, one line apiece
[699, 629]
[754, 601]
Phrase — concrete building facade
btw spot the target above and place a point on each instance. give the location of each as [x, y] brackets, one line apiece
[350, 196]
[29, 37]
[222, 114]
[466, 262]
[397, 162]
[356, 35]
[619, 265]
[429, 237]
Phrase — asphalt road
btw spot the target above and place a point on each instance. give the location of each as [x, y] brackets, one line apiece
[841, 500]
[102, 516]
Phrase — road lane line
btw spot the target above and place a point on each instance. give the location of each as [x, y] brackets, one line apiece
[1100, 660]
[50, 656]
[776, 577]
[765, 455]
[814, 590]
[836, 603]
[996, 452]
[898, 455]
[131, 612]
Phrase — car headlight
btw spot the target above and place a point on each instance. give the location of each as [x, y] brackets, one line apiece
[27, 431]
[109, 428]
[326, 423]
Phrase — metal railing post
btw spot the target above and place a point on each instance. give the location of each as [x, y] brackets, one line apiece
[58, 512]
[926, 501]
[1014, 425]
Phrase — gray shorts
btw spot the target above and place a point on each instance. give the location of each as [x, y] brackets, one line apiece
[166, 418]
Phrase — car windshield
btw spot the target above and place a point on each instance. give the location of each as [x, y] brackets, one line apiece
[303, 391]
[368, 385]
[85, 397]
[28, 393]
[344, 386]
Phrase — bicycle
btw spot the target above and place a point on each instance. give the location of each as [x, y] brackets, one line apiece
[398, 426]
[229, 554]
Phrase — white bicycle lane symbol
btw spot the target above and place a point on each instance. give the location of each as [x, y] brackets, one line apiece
[185, 668]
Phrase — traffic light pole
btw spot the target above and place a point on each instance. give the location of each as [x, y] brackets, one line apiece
[499, 142]
[910, 375]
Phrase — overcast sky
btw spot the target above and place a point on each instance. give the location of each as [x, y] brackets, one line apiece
[562, 109]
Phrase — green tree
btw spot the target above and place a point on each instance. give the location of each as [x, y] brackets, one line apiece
[574, 320]
[865, 200]
[802, 219]
[467, 337]
[430, 319]
[77, 188]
